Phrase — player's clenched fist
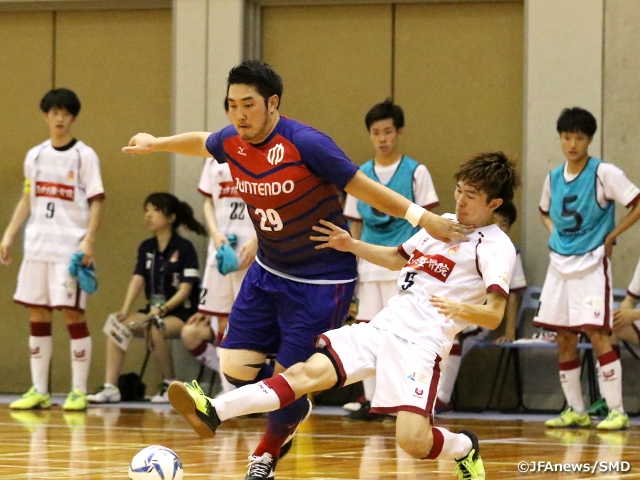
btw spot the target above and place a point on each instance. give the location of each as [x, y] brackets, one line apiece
[140, 144]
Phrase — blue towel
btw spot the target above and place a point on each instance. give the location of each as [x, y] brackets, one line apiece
[86, 275]
[227, 259]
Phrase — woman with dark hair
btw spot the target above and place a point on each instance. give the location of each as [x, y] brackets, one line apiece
[167, 271]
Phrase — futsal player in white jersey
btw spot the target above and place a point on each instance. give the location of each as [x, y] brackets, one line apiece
[227, 218]
[504, 217]
[442, 288]
[626, 320]
[402, 174]
[62, 200]
[577, 207]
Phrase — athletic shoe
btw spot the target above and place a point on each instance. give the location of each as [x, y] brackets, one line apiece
[105, 394]
[76, 401]
[261, 467]
[441, 407]
[569, 418]
[352, 406]
[286, 446]
[616, 420]
[197, 409]
[162, 396]
[362, 413]
[32, 400]
[598, 409]
[471, 466]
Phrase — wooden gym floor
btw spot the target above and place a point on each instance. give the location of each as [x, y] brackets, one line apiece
[99, 443]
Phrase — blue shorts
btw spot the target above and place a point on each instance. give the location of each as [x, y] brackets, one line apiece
[272, 314]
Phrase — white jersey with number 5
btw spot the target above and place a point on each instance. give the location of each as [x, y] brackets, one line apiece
[460, 271]
[232, 216]
[61, 183]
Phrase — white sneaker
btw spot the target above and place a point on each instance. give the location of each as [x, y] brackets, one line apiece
[106, 394]
[163, 395]
[352, 406]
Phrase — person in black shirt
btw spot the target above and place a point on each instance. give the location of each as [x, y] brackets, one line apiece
[167, 270]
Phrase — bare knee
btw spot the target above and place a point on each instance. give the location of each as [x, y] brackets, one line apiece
[73, 316]
[414, 434]
[315, 374]
[190, 336]
[241, 365]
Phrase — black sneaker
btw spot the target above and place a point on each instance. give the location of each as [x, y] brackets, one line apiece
[286, 446]
[470, 467]
[261, 467]
[362, 413]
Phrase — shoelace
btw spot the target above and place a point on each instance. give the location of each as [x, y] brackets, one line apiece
[194, 386]
[467, 471]
[259, 466]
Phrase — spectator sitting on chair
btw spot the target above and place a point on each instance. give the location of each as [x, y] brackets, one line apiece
[167, 271]
[504, 216]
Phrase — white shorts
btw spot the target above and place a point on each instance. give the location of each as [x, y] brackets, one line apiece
[219, 291]
[373, 297]
[406, 374]
[49, 285]
[576, 302]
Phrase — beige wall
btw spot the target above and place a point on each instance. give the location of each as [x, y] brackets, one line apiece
[459, 83]
[119, 63]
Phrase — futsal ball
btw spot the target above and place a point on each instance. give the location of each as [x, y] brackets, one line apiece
[155, 463]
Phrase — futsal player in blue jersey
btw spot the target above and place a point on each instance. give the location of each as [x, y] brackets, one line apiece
[577, 206]
[288, 174]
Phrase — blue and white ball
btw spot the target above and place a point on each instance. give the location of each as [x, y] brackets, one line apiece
[155, 463]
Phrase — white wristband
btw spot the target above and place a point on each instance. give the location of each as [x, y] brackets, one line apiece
[414, 214]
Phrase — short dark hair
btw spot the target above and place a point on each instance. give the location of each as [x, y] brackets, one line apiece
[384, 110]
[61, 98]
[507, 210]
[493, 173]
[260, 76]
[577, 120]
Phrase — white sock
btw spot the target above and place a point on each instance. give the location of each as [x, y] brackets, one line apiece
[610, 383]
[80, 362]
[455, 446]
[254, 398]
[572, 388]
[448, 374]
[41, 349]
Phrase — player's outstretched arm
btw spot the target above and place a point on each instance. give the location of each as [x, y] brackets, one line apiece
[392, 203]
[193, 144]
[339, 239]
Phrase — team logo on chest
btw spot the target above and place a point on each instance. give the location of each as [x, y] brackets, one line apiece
[438, 266]
[275, 154]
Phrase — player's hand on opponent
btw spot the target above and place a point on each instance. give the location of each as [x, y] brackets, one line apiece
[444, 229]
[448, 308]
[247, 253]
[140, 144]
[333, 237]
[624, 317]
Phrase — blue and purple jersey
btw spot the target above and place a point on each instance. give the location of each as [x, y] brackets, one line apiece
[289, 184]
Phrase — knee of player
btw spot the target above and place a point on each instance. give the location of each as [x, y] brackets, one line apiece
[189, 335]
[415, 443]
